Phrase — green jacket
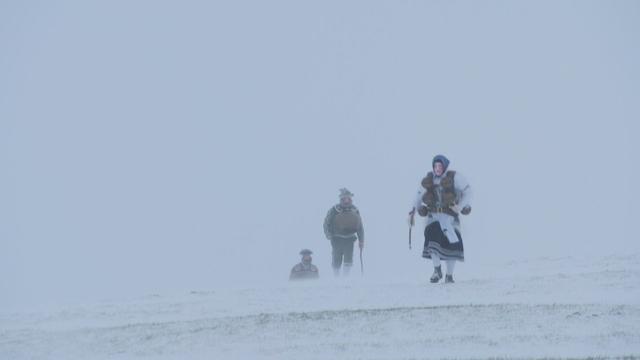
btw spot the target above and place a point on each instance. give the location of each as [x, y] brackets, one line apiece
[343, 222]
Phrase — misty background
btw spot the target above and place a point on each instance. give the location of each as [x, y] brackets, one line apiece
[149, 147]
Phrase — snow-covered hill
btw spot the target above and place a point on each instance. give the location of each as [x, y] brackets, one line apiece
[541, 308]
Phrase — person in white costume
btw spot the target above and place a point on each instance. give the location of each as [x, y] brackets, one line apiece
[443, 195]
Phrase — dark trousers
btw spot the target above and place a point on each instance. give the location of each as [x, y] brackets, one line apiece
[342, 251]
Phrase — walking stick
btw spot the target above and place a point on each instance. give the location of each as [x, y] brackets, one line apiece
[411, 223]
[361, 266]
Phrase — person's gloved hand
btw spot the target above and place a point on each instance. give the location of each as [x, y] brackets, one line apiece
[361, 244]
[422, 211]
[465, 210]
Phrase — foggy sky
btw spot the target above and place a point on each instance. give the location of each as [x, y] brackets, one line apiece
[158, 146]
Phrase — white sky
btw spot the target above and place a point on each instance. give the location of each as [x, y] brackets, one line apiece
[157, 146]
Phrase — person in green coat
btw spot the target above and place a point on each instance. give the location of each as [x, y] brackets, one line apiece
[343, 226]
[304, 270]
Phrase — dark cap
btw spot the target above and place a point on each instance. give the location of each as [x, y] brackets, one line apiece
[304, 252]
[344, 192]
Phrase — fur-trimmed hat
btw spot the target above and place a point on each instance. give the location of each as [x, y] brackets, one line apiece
[304, 252]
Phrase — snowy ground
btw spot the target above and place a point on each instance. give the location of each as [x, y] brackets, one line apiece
[541, 308]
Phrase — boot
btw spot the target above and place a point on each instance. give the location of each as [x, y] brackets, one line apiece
[448, 279]
[437, 274]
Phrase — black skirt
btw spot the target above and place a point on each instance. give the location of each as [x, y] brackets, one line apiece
[435, 241]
